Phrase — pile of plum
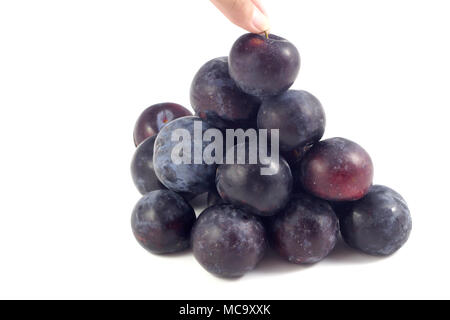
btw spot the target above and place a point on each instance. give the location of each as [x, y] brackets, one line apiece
[318, 190]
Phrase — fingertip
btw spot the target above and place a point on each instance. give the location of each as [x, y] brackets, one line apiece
[247, 14]
[260, 22]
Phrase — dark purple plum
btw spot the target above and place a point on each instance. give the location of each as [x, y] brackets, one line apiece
[216, 98]
[263, 67]
[243, 185]
[227, 241]
[142, 170]
[306, 231]
[297, 114]
[336, 169]
[162, 222]
[151, 121]
[184, 177]
[378, 224]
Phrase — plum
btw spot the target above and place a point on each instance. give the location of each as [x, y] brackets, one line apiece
[297, 114]
[227, 241]
[378, 224]
[263, 66]
[216, 98]
[306, 231]
[336, 169]
[162, 221]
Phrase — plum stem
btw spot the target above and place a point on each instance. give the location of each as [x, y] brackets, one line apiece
[266, 33]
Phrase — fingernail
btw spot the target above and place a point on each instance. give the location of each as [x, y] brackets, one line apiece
[260, 21]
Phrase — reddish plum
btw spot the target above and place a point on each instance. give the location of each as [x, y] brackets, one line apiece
[151, 121]
[336, 169]
[243, 185]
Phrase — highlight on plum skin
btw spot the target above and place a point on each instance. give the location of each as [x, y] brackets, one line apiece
[306, 231]
[227, 241]
[216, 98]
[162, 221]
[263, 67]
[336, 169]
[378, 224]
[154, 118]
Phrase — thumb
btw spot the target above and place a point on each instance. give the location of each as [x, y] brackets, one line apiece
[247, 14]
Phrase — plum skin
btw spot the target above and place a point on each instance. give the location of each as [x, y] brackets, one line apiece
[297, 114]
[142, 171]
[336, 169]
[227, 241]
[263, 67]
[213, 198]
[155, 117]
[216, 98]
[186, 178]
[162, 221]
[306, 231]
[378, 224]
[244, 186]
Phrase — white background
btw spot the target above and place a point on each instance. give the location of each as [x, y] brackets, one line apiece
[75, 75]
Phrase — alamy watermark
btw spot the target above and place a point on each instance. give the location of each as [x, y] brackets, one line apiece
[251, 140]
